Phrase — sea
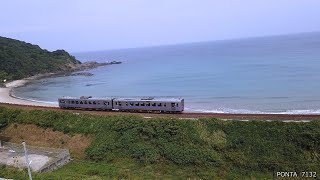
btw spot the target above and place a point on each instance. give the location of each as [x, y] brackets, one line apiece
[276, 74]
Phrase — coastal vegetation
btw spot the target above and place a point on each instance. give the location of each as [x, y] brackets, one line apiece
[132, 147]
[20, 59]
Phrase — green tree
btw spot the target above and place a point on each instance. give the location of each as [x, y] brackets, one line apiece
[20, 59]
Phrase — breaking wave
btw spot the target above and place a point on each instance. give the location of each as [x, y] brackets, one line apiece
[246, 111]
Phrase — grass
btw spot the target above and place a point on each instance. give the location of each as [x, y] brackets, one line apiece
[128, 169]
[131, 147]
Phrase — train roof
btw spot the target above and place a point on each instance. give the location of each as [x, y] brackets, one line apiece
[87, 98]
[151, 99]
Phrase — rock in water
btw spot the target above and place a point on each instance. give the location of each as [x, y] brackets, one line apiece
[82, 74]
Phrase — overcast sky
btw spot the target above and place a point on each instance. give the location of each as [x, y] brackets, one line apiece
[78, 25]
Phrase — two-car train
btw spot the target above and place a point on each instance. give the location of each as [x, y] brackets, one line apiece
[165, 105]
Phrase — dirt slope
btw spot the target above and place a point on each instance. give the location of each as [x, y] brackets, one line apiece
[37, 136]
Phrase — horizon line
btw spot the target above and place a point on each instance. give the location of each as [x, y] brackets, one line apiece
[195, 42]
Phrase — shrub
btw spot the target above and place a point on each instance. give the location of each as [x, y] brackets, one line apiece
[254, 145]
[144, 152]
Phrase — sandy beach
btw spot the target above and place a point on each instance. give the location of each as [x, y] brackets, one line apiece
[6, 97]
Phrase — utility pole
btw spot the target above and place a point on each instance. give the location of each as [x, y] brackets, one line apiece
[27, 160]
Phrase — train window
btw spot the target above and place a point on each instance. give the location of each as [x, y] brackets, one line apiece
[126, 103]
[131, 104]
[90, 102]
[117, 103]
[77, 102]
[159, 104]
[142, 104]
[72, 102]
[172, 104]
[94, 102]
[153, 104]
[81, 102]
[62, 101]
[177, 105]
[164, 104]
[120, 104]
[137, 104]
[85, 102]
[147, 104]
[105, 103]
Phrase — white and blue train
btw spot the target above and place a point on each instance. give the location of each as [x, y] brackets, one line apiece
[165, 105]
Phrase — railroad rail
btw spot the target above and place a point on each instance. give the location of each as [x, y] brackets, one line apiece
[184, 115]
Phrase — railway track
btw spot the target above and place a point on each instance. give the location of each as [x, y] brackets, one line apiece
[185, 115]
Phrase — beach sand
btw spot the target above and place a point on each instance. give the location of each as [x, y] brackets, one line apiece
[5, 96]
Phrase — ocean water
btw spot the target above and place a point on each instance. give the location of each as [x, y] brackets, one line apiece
[279, 74]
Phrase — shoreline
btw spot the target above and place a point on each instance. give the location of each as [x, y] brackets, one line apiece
[7, 96]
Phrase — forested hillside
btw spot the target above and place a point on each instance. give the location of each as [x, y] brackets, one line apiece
[19, 59]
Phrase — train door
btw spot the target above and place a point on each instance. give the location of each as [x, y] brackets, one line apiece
[182, 105]
[173, 106]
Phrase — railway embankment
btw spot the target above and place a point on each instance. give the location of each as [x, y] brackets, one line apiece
[124, 145]
[182, 116]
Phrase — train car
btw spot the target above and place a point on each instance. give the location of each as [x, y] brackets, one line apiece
[170, 105]
[86, 102]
